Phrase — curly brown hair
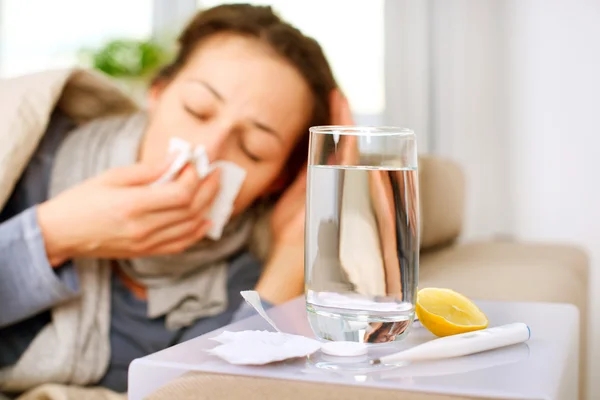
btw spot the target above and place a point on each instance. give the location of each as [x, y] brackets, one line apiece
[261, 23]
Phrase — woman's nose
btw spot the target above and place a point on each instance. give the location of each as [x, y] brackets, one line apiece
[215, 140]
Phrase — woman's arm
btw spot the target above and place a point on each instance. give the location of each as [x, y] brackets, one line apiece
[282, 278]
[28, 283]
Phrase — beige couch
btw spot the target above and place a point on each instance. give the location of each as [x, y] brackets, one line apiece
[482, 270]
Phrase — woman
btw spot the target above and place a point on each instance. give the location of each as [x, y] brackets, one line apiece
[98, 266]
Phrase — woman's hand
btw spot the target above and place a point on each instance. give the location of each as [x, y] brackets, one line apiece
[118, 214]
[287, 220]
[341, 113]
[283, 276]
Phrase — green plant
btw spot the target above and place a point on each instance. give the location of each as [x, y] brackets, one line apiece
[129, 58]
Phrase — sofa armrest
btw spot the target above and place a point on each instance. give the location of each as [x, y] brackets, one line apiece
[442, 198]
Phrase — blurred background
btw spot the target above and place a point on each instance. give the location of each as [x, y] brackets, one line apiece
[510, 89]
[138, 34]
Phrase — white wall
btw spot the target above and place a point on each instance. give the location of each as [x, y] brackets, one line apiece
[555, 132]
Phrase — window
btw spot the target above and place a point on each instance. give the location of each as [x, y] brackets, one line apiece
[42, 34]
[354, 47]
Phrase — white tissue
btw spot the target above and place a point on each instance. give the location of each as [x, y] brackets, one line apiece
[179, 145]
[231, 180]
[201, 159]
[184, 155]
[262, 347]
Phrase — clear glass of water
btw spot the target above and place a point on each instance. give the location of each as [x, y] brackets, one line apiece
[362, 233]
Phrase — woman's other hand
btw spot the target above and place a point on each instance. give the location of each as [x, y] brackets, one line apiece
[341, 113]
[283, 276]
[118, 214]
[287, 220]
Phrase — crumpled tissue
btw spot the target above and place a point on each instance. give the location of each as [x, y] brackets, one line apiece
[232, 177]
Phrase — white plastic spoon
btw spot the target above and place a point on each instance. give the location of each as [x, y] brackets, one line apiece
[253, 298]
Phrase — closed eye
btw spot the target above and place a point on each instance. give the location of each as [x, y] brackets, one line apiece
[197, 115]
[248, 153]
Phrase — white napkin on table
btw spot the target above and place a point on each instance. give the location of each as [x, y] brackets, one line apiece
[262, 347]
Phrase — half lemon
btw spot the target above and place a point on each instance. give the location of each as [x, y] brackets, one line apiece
[445, 312]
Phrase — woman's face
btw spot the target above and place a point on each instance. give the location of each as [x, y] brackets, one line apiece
[241, 101]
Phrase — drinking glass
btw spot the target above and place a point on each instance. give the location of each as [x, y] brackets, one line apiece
[362, 233]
